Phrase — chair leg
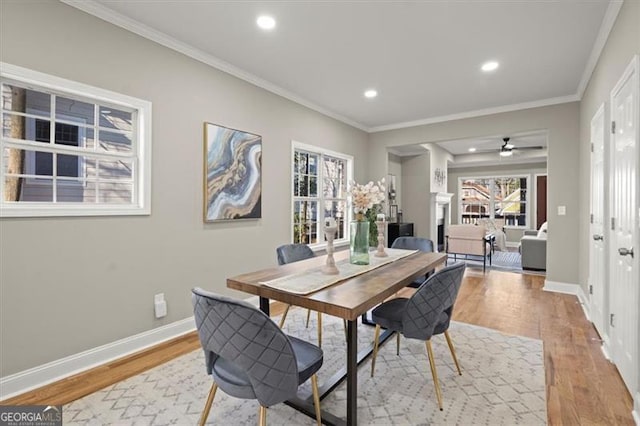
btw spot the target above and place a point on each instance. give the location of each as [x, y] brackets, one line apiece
[319, 329]
[284, 316]
[207, 405]
[375, 349]
[453, 351]
[398, 343]
[316, 398]
[262, 416]
[434, 373]
[308, 316]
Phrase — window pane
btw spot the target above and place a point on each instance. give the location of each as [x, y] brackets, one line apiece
[74, 110]
[313, 186]
[18, 127]
[112, 118]
[303, 186]
[115, 142]
[305, 222]
[28, 189]
[109, 169]
[475, 200]
[335, 181]
[313, 164]
[66, 134]
[14, 161]
[75, 191]
[336, 210]
[68, 165]
[20, 99]
[115, 193]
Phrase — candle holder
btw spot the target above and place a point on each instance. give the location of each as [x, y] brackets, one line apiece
[330, 266]
[380, 252]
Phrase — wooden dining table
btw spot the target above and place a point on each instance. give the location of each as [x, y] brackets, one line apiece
[349, 299]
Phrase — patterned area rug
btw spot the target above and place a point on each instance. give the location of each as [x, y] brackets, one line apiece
[502, 383]
[508, 261]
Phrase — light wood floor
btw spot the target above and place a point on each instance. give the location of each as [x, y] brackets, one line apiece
[582, 386]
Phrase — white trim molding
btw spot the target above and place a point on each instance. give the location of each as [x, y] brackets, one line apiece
[636, 410]
[603, 34]
[558, 287]
[584, 302]
[45, 374]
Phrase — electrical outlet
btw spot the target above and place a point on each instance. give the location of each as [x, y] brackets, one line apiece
[160, 305]
[562, 210]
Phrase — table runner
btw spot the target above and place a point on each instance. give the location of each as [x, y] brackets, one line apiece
[312, 280]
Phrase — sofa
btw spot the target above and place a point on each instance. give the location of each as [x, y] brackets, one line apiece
[533, 249]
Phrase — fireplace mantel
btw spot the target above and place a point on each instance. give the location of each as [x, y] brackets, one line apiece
[440, 202]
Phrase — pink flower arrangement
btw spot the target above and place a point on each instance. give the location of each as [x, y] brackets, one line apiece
[364, 197]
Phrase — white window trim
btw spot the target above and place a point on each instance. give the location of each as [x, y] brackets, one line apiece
[321, 245]
[142, 132]
[491, 201]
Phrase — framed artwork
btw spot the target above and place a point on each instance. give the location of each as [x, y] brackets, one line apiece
[232, 174]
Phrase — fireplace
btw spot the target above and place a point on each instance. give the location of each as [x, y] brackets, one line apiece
[439, 217]
[440, 243]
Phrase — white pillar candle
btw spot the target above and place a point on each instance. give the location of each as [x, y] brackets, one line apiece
[380, 217]
[330, 222]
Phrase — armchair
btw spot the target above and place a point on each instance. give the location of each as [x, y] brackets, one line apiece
[469, 240]
[533, 249]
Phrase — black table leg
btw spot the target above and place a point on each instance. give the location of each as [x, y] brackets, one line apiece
[352, 372]
[264, 305]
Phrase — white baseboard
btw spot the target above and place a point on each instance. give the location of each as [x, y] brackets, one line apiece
[636, 410]
[605, 348]
[584, 302]
[50, 372]
[559, 287]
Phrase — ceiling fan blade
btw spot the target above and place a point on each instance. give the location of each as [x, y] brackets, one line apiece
[522, 148]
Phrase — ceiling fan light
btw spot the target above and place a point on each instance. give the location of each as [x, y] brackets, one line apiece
[506, 153]
[509, 146]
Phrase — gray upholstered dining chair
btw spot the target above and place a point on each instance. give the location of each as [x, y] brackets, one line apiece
[289, 253]
[248, 355]
[425, 314]
[414, 243]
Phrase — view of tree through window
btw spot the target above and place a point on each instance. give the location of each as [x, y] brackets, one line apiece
[503, 199]
[319, 192]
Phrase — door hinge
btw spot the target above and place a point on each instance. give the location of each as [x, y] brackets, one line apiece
[613, 223]
[613, 127]
[591, 218]
[590, 289]
[611, 317]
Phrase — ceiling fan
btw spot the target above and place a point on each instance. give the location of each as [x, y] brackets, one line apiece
[507, 149]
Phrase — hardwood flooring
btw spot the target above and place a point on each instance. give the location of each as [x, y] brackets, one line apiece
[583, 388]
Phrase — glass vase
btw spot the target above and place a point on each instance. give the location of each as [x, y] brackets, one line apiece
[359, 244]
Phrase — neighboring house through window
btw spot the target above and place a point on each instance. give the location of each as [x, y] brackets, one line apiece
[98, 160]
[503, 199]
[320, 179]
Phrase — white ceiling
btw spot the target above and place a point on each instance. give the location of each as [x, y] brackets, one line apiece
[423, 57]
[494, 143]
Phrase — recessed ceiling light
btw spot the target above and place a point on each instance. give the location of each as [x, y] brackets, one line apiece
[371, 93]
[472, 149]
[266, 22]
[490, 66]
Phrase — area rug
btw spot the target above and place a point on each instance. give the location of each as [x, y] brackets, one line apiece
[507, 261]
[502, 383]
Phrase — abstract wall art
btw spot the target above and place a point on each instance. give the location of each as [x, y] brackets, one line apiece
[232, 174]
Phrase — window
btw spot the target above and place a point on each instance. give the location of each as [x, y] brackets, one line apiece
[319, 188]
[503, 199]
[68, 149]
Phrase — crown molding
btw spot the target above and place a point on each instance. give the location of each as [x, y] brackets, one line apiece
[99, 11]
[603, 34]
[102, 12]
[477, 113]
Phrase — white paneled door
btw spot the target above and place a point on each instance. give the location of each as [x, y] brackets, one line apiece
[597, 244]
[624, 281]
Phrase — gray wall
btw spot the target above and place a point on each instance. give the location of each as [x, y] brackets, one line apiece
[70, 284]
[395, 168]
[561, 122]
[415, 193]
[623, 43]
